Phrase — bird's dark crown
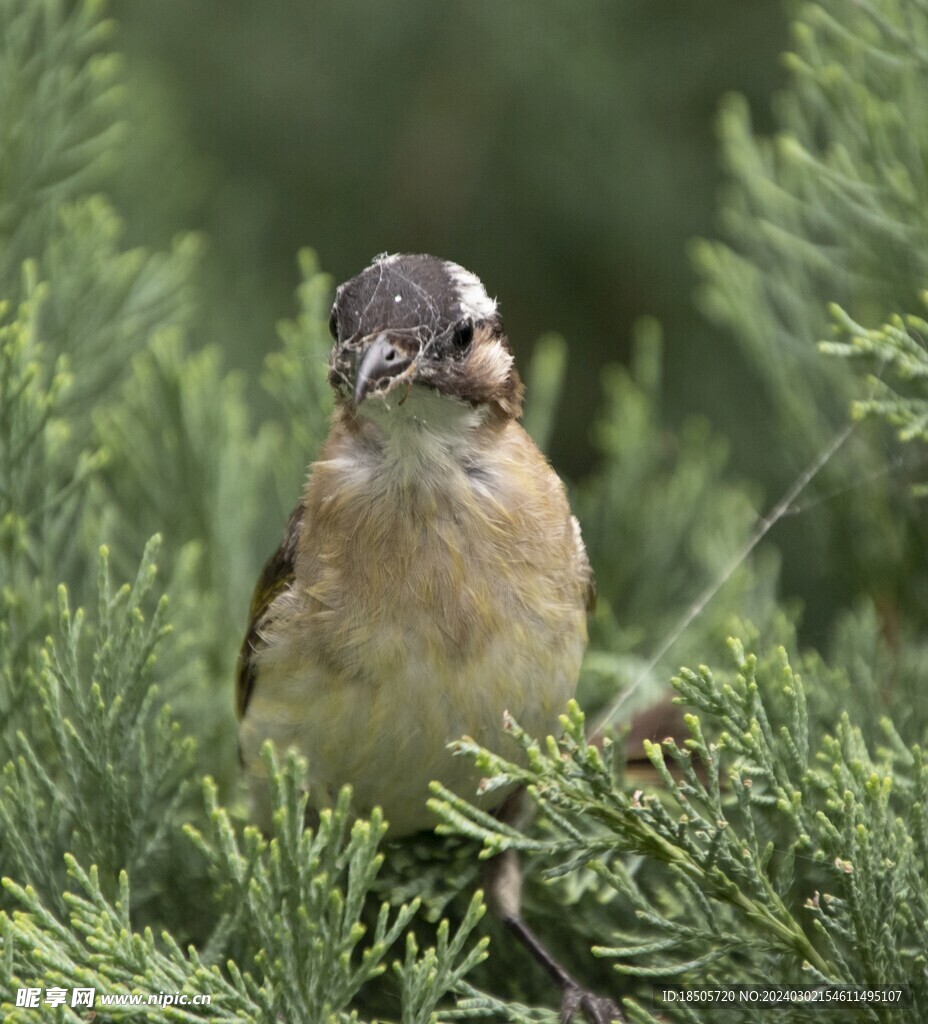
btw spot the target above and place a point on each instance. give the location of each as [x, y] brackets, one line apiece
[419, 320]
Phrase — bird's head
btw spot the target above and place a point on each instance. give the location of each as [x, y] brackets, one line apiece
[416, 321]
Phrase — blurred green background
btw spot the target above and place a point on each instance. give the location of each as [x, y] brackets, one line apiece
[565, 153]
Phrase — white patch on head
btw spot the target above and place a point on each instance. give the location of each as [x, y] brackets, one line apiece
[398, 298]
[472, 296]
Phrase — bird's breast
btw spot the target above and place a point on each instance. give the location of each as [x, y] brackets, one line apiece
[436, 566]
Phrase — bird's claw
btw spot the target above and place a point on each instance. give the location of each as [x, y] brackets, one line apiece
[595, 1009]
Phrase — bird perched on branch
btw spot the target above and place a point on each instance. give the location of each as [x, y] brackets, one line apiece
[431, 579]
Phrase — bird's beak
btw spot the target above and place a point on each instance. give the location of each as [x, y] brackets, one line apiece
[381, 360]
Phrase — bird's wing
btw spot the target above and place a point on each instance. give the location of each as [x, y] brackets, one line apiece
[275, 578]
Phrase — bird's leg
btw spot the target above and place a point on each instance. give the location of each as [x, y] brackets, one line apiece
[504, 896]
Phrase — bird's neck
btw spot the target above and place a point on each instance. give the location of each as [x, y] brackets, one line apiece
[420, 440]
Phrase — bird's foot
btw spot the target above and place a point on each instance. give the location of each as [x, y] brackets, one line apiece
[595, 1009]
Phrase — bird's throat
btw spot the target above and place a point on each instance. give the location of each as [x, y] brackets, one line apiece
[418, 439]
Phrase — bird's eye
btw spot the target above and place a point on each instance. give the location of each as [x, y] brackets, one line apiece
[333, 324]
[463, 335]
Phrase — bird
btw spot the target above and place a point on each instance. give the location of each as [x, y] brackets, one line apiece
[432, 582]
